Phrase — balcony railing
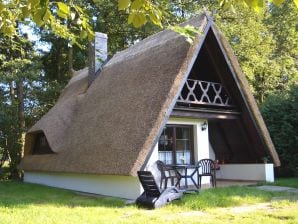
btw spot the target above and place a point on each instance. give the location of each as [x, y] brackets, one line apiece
[199, 92]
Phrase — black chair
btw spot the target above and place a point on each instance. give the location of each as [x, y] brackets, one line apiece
[206, 168]
[153, 197]
[167, 173]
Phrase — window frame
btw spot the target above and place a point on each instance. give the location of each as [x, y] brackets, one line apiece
[191, 142]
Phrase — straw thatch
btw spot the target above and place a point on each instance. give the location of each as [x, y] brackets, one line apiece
[110, 127]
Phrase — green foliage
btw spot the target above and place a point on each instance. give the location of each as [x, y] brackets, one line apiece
[142, 11]
[123, 4]
[280, 112]
[282, 23]
[17, 67]
[57, 15]
[113, 22]
[49, 15]
[254, 46]
[188, 31]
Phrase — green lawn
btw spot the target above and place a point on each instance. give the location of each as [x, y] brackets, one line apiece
[287, 182]
[29, 203]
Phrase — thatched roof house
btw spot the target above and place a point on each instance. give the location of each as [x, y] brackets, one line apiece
[113, 126]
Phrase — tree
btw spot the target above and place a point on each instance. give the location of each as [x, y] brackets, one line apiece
[142, 11]
[254, 46]
[56, 15]
[113, 22]
[51, 15]
[282, 23]
[16, 68]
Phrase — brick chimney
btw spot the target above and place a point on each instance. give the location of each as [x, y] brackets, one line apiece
[98, 54]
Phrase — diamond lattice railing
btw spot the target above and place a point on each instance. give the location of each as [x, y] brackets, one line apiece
[203, 92]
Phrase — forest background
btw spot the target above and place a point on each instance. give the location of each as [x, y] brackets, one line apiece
[38, 56]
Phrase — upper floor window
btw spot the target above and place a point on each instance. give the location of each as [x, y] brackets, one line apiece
[175, 145]
[41, 145]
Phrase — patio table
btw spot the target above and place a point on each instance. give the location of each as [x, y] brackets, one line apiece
[182, 173]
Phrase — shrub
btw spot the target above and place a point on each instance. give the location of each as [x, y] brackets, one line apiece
[280, 112]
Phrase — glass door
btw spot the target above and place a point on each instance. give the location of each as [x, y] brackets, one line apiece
[175, 145]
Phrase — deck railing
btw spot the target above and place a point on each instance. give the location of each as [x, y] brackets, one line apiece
[206, 93]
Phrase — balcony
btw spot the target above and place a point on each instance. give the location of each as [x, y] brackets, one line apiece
[197, 92]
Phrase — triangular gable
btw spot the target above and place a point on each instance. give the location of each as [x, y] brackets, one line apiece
[256, 142]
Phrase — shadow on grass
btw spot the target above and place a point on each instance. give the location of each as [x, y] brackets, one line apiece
[19, 194]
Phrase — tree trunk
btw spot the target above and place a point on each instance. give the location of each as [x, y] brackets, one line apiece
[70, 54]
[21, 115]
[11, 91]
[59, 62]
[17, 137]
[70, 61]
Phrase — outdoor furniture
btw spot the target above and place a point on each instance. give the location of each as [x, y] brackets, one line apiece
[206, 169]
[186, 171]
[167, 172]
[153, 197]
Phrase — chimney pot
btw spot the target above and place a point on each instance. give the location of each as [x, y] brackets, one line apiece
[98, 54]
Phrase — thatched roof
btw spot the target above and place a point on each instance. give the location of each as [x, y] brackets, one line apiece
[111, 127]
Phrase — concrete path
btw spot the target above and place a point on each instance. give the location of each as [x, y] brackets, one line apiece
[278, 188]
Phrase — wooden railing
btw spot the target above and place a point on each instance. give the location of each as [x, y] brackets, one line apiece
[204, 93]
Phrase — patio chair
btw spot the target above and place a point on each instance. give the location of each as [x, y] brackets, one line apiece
[167, 173]
[206, 168]
[153, 197]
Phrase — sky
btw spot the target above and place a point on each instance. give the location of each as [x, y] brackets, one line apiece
[39, 45]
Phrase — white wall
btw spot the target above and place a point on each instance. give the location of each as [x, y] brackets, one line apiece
[258, 172]
[117, 186]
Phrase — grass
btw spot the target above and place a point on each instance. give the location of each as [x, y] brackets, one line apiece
[30, 203]
[286, 182]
